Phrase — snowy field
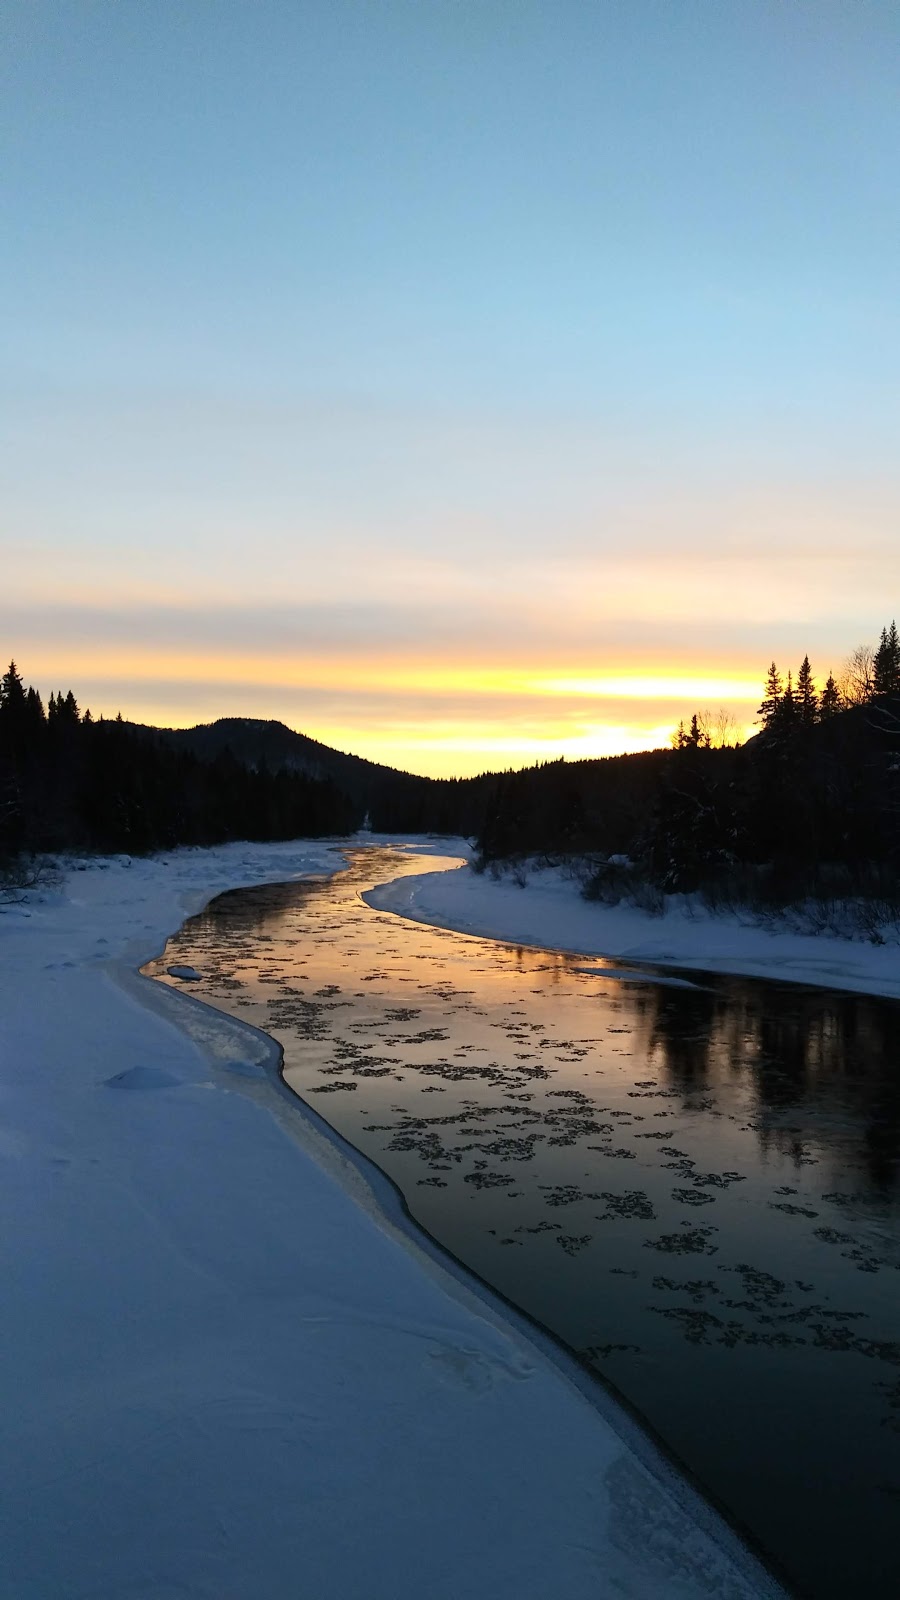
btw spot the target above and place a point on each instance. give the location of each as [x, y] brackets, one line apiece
[549, 911]
[229, 1370]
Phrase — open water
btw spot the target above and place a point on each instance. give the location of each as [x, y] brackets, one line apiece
[692, 1181]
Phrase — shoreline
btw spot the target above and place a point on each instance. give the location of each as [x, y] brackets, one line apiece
[165, 1235]
[549, 913]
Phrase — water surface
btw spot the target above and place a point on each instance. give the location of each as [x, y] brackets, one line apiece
[694, 1185]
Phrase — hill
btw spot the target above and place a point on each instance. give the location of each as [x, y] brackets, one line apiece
[394, 801]
[257, 744]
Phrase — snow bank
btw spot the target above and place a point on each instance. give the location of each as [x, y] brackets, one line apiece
[549, 911]
[226, 1374]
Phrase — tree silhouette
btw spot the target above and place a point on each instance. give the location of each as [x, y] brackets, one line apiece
[807, 699]
[886, 664]
[787, 714]
[772, 698]
[857, 678]
[830, 701]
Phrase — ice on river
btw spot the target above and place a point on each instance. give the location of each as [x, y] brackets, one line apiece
[226, 1373]
[549, 911]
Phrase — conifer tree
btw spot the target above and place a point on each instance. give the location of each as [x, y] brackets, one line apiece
[769, 708]
[886, 667]
[13, 710]
[12, 692]
[69, 709]
[36, 714]
[806, 699]
[787, 713]
[830, 702]
[894, 647]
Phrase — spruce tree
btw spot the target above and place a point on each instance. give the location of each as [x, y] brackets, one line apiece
[788, 712]
[830, 702]
[12, 692]
[14, 717]
[807, 699]
[37, 715]
[886, 668]
[69, 709]
[769, 708]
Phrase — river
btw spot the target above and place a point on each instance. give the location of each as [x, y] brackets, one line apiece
[691, 1181]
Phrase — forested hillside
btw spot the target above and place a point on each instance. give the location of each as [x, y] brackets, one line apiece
[810, 806]
[393, 801]
[68, 781]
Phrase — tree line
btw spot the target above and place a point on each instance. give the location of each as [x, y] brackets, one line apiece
[807, 812]
[789, 702]
[70, 781]
[811, 806]
[868, 675]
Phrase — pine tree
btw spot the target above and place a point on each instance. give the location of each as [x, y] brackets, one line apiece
[769, 708]
[886, 668]
[12, 692]
[807, 699]
[893, 641]
[830, 702]
[69, 709]
[36, 712]
[34, 721]
[13, 712]
[788, 711]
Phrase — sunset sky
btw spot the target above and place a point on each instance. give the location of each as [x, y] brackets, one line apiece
[462, 382]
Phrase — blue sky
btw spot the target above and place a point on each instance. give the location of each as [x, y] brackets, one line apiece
[484, 338]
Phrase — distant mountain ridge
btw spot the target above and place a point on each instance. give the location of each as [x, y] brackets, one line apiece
[256, 742]
[394, 801]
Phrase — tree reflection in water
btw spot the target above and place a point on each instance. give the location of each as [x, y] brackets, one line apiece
[819, 1063]
[694, 1186]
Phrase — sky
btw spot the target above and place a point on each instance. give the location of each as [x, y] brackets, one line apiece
[462, 382]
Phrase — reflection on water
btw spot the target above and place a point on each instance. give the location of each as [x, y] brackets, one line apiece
[695, 1187]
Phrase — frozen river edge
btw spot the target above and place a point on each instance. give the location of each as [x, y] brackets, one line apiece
[550, 912]
[233, 1367]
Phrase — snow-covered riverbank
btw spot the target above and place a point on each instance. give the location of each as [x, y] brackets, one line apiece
[549, 911]
[227, 1374]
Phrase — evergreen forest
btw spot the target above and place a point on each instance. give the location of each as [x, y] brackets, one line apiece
[809, 808]
[70, 782]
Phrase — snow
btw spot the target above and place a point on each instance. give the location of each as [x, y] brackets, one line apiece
[231, 1370]
[548, 911]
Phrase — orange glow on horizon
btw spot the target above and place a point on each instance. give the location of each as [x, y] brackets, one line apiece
[419, 676]
[441, 718]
